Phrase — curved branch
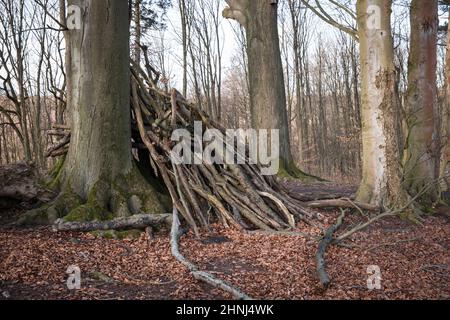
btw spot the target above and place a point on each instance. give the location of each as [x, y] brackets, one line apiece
[199, 275]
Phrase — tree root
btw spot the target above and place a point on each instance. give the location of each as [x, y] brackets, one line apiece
[52, 211]
[124, 197]
[197, 274]
[323, 245]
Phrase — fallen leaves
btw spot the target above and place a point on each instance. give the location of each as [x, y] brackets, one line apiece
[414, 263]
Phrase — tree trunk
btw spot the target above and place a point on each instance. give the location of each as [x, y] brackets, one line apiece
[267, 90]
[421, 158]
[184, 38]
[61, 107]
[445, 156]
[381, 182]
[137, 30]
[99, 76]
[99, 169]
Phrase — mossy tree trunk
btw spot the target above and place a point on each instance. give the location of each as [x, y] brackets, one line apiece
[99, 179]
[99, 72]
[382, 174]
[266, 79]
[422, 153]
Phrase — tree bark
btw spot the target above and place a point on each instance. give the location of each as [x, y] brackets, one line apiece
[422, 154]
[99, 168]
[141, 221]
[266, 80]
[137, 30]
[99, 73]
[382, 176]
[445, 156]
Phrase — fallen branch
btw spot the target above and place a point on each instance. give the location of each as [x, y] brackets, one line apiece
[60, 148]
[199, 275]
[323, 245]
[342, 203]
[140, 221]
[391, 213]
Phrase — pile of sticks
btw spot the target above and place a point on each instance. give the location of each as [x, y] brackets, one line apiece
[239, 196]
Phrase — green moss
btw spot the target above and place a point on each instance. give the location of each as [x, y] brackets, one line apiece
[126, 195]
[49, 213]
[291, 171]
[118, 235]
[66, 202]
[88, 212]
[54, 181]
[129, 234]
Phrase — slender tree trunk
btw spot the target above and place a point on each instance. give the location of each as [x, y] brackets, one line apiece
[295, 20]
[445, 157]
[183, 15]
[381, 182]
[422, 154]
[137, 31]
[67, 58]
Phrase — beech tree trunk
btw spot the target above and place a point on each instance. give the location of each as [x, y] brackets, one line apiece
[445, 156]
[422, 154]
[266, 80]
[381, 183]
[99, 78]
[99, 179]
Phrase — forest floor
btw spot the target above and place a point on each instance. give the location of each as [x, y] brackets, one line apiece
[414, 261]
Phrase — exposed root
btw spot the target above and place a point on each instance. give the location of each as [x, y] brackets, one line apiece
[199, 275]
[52, 211]
[124, 197]
[323, 245]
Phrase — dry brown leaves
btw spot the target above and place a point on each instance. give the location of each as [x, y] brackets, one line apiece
[414, 262]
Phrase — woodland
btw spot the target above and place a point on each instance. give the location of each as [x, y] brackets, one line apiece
[96, 95]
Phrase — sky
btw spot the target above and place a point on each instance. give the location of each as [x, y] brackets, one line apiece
[229, 41]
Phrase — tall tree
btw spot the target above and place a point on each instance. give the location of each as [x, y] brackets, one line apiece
[445, 157]
[265, 70]
[382, 174]
[99, 178]
[422, 154]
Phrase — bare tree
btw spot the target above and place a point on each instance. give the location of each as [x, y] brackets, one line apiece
[267, 85]
[422, 154]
